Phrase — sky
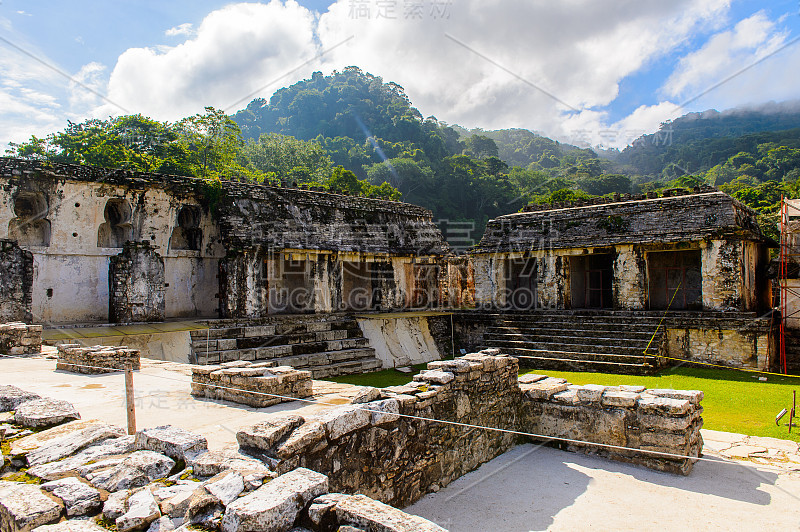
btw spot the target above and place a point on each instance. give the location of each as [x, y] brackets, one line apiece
[589, 72]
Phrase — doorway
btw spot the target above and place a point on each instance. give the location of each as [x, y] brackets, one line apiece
[592, 281]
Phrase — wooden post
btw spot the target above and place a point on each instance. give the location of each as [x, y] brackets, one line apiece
[129, 399]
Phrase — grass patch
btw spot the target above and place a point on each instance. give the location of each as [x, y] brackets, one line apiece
[379, 379]
[734, 401]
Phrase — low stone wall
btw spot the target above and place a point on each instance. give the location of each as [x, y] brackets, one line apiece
[97, 359]
[745, 343]
[660, 421]
[384, 445]
[367, 448]
[20, 339]
[250, 377]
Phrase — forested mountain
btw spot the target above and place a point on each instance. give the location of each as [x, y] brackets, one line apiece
[352, 131]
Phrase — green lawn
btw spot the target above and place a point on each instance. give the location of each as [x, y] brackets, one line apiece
[734, 401]
[379, 379]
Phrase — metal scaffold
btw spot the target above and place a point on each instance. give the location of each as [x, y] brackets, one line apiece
[788, 277]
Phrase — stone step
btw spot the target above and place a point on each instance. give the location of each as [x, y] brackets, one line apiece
[365, 365]
[223, 344]
[333, 363]
[555, 345]
[279, 328]
[605, 313]
[571, 331]
[596, 356]
[299, 361]
[588, 326]
[556, 364]
[567, 338]
[277, 351]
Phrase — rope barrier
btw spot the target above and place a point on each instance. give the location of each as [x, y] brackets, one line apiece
[535, 436]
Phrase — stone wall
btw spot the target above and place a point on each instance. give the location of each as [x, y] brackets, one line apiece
[136, 284]
[384, 446]
[660, 421]
[20, 339]
[743, 343]
[96, 360]
[283, 383]
[16, 282]
[367, 448]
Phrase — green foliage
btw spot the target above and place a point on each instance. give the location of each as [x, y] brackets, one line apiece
[282, 155]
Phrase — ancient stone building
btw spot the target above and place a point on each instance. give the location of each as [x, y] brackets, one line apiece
[683, 251]
[228, 249]
[685, 271]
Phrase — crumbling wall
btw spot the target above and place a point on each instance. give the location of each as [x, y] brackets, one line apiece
[243, 285]
[630, 278]
[136, 284]
[257, 384]
[16, 282]
[384, 446]
[654, 421]
[744, 343]
[490, 281]
[20, 339]
[552, 281]
[367, 448]
[97, 359]
[722, 268]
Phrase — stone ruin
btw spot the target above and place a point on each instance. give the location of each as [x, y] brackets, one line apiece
[87, 476]
[95, 360]
[246, 383]
[383, 446]
[20, 339]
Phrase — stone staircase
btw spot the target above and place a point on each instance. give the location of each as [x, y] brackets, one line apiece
[327, 345]
[608, 342]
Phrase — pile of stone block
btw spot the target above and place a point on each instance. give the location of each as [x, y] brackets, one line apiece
[650, 420]
[257, 384]
[88, 476]
[20, 339]
[97, 359]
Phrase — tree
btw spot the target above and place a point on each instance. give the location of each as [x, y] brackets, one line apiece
[480, 147]
[214, 142]
[288, 158]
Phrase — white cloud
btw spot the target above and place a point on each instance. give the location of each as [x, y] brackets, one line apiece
[236, 50]
[181, 29]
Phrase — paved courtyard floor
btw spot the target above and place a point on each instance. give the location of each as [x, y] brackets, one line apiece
[751, 484]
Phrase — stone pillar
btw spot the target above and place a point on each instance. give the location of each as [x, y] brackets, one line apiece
[136, 284]
[327, 283]
[630, 279]
[16, 282]
[552, 282]
[490, 281]
[243, 285]
[721, 266]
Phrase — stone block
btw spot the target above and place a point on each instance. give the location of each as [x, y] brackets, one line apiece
[673, 407]
[385, 411]
[545, 389]
[590, 393]
[45, 413]
[24, 507]
[275, 505]
[78, 498]
[175, 442]
[693, 396]
[368, 514]
[619, 399]
[303, 437]
[343, 420]
[263, 436]
[141, 510]
[434, 376]
[11, 397]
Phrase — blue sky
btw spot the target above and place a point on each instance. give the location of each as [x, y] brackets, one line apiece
[621, 66]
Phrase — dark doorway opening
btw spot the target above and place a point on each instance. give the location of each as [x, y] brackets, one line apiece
[521, 275]
[296, 293]
[592, 281]
[356, 286]
[675, 280]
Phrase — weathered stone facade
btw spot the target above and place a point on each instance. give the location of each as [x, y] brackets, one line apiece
[16, 282]
[96, 360]
[240, 250]
[259, 384]
[136, 284]
[384, 447]
[17, 338]
[704, 247]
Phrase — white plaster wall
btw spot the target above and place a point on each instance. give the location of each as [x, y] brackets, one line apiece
[553, 287]
[400, 342]
[77, 270]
